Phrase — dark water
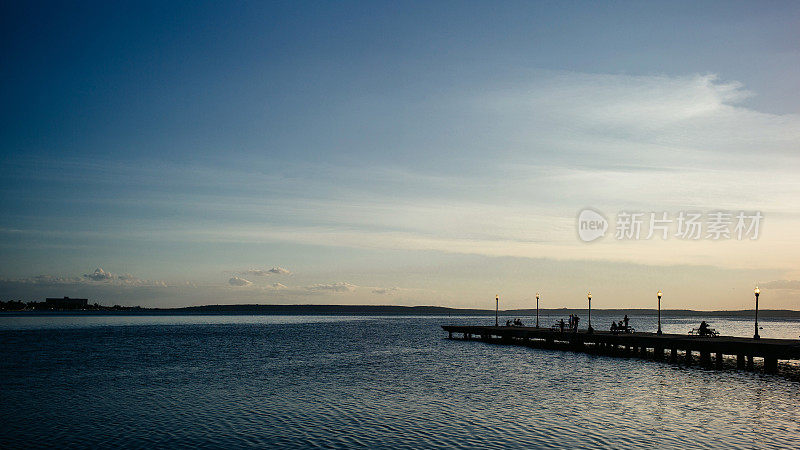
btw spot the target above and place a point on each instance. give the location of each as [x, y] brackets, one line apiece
[236, 381]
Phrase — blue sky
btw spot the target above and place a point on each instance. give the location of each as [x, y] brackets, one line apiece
[384, 152]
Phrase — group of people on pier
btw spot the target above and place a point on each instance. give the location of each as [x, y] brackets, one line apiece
[622, 326]
[572, 325]
[515, 323]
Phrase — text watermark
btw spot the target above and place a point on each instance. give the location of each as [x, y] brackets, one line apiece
[685, 225]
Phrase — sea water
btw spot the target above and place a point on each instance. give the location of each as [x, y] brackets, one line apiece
[377, 382]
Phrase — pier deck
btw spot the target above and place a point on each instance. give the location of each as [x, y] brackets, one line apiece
[642, 344]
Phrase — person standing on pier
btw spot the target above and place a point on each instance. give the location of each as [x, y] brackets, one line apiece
[561, 324]
[575, 321]
[626, 321]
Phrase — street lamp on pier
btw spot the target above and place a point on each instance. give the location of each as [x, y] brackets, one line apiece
[589, 296]
[496, 309]
[537, 310]
[659, 312]
[756, 291]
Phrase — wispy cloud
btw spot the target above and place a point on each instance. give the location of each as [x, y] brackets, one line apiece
[333, 287]
[791, 285]
[531, 154]
[385, 291]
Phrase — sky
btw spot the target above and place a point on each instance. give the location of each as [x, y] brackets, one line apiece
[412, 153]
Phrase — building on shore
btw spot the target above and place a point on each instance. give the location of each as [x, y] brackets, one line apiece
[66, 303]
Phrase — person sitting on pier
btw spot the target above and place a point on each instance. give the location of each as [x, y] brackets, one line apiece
[703, 330]
[614, 327]
[508, 322]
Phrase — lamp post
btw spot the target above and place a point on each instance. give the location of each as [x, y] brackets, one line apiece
[496, 308]
[589, 296]
[756, 291]
[537, 310]
[659, 312]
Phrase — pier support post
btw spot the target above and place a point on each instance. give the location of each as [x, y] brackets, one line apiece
[643, 352]
[770, 365]
[749, 362]
[740, 361]
[658, 353]
[718, 360]
[673, 355]
[705, 358]
[688, 357]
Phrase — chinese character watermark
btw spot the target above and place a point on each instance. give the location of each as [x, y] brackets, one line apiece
[685, 225]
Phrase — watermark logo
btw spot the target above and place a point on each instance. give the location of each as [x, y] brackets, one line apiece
[685, 225]
[591, 225]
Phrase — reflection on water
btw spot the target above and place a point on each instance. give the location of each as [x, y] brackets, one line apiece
[382, 382]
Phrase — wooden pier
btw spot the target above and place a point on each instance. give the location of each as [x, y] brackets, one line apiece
[645, 345]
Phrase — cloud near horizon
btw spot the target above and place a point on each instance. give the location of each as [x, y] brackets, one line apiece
[98, 276]
[266, 272]
[385, 291]
[333, 287]
[238, 281]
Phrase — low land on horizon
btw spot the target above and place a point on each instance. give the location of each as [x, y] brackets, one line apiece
[429, 310]
[442, 310]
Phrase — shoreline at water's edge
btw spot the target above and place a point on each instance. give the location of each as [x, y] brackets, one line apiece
[391, 310]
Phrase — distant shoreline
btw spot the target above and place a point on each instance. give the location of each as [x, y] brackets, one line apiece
[388, 310]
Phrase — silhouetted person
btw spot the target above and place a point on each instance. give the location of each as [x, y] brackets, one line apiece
[626, 321]
[576, 319]
[561, 325]
[703, 330]
[508, 323]
[614, 327]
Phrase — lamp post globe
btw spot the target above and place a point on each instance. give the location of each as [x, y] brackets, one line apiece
[756, 291]
[659, 312]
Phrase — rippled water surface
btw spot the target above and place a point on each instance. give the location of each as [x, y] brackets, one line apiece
[221, 381]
